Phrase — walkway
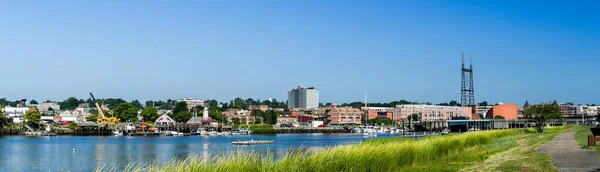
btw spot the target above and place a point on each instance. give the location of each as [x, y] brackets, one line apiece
[567, 156]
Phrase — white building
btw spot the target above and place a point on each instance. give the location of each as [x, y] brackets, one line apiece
[302, 97]
[192, 102]
[45, 107]
[15, 112]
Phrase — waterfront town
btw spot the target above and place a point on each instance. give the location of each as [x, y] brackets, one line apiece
[302, 112]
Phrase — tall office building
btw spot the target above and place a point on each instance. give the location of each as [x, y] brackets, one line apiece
[302, 97]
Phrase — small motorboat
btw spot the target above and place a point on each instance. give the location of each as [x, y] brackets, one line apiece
[203, 132]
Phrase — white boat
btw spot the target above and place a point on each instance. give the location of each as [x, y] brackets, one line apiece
[203, 132]
[129, 127]
[370, 133]
[220, 133]
[245, 131]
[117, 133]
[358, 130]
[236, 133]
[226, 133]
[212, 132]
[173, 133]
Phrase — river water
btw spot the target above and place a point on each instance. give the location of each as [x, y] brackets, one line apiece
[23, 153]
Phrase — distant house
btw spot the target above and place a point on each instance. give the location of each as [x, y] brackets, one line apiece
[259, 107]
[15, 112]
[165, 120]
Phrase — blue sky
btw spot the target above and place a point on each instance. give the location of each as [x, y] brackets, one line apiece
[522, 50]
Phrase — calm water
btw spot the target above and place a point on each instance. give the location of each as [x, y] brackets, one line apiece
[22, 153]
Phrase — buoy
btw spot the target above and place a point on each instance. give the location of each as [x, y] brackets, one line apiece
[73, 149]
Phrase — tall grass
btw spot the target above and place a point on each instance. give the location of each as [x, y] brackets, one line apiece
[384, 155]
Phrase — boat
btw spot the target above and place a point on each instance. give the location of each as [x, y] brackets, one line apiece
[236, 133]
[358, 130]
[220, 133]
[212, 132]
[117, 133]
[245, 131]
[369, 132]
[203, 132]
[252, 142]
[445, 131]
[129, 127]
[174, 133]
[226, 133]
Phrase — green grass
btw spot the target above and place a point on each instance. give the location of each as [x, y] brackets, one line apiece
[262, 129]
[520, 153]
[582, 135]
[498, 150]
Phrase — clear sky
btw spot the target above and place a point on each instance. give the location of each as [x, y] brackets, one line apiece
[522, 50]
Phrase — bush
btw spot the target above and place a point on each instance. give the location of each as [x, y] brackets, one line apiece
[72, 126]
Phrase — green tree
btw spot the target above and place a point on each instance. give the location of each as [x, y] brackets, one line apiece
[126, 112]
[33, 102]
[69, 104]
[150, 114]
[484, 103]
[137, 104]
[216, 115]
[33, 117]
[92, 118]
[182, 116]
[180, 107]
[236, 121]
[499, 117]
[542, 113]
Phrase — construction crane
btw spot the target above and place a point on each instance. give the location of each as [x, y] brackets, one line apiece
[101, 118]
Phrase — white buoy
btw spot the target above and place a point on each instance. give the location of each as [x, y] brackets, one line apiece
[73, 149]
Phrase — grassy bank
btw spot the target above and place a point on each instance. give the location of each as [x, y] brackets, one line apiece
[506, 150]
[514, 153]
[581, 136]
[262, 129]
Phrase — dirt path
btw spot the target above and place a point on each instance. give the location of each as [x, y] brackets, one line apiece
[567, 156]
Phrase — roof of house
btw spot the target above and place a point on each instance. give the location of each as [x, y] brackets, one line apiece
[165, 118]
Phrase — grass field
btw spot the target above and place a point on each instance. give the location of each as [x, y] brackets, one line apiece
[498, 150]
[581, 137]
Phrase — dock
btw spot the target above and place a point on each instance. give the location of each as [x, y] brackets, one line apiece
[252, 142]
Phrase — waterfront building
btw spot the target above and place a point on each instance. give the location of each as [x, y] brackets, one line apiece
[343, 115]
[586, 110]
[567, 110]
[302, 97]
[67, 116]
[482, 110]
[508, 111]
[294, 112]
[45, 107]
[259, 107]
[286, 120]
[15, 112]
[165, 120]
[432, 112]
[378, 112]
[191, 103]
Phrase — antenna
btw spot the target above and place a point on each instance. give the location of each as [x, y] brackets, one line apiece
[366, 105]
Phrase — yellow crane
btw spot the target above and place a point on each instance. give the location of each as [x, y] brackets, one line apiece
[101, 118]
